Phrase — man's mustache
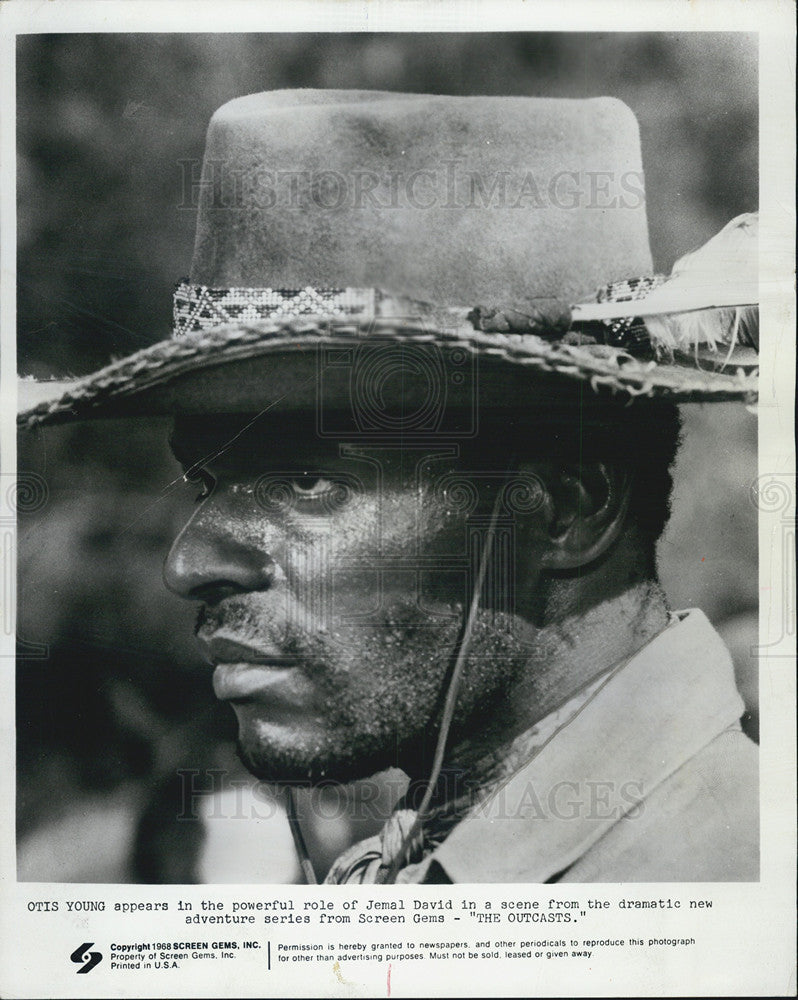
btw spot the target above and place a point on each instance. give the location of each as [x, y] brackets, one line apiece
[244, 614]
[264, 628]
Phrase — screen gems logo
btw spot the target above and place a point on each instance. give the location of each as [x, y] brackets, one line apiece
[85, 958]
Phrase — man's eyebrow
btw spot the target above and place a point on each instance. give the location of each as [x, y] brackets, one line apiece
[194, 449]
[197, 445]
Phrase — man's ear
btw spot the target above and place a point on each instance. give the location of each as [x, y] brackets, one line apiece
[588, 506]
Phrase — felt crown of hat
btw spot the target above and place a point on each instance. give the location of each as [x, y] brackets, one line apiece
[345, 235]
[447, 200]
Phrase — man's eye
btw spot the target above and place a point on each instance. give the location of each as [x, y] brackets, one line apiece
[314, 489]
[305, 492]
[196, 474]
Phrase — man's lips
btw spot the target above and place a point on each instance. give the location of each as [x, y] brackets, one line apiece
[280, 687]
[260, 674]
[223, 649]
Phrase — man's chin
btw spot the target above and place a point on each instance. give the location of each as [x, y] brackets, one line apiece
[286, 767]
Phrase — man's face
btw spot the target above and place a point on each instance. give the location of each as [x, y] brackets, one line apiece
[334, 579]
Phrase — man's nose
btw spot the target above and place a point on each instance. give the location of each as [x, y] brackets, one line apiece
[210, 560]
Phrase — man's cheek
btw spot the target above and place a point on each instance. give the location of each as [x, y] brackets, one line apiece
[497, 659]
[392, 613]
[387, 685]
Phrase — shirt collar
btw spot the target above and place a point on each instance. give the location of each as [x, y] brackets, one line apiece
[655, 713]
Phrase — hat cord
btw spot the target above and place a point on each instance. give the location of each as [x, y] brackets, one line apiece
[299, 840]
[462, 647]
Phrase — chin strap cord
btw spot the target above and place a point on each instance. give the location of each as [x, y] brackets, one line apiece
[299, 840]
[460, 654]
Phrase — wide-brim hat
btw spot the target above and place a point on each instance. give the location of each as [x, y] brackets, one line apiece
[395, 255]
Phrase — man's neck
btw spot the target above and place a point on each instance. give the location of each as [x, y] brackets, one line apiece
[568, 655]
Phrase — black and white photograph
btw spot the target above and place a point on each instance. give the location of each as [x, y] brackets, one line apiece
[388, 496]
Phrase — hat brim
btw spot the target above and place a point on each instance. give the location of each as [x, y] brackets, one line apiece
[293, 365]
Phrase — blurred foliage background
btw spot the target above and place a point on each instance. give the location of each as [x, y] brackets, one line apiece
[113, 700]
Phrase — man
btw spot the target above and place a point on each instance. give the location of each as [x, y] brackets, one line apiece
[426, 529]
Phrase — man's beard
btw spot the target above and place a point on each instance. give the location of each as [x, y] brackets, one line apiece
[394, 724]
[372, 741]
[282, 766]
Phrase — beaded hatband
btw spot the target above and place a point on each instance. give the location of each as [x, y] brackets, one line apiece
[197, 307]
